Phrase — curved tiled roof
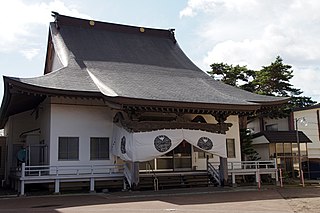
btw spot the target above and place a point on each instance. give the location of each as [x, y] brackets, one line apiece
[122, 61]
[126, 62]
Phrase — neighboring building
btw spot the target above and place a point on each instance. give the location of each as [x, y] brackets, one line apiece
[2, 158]
[114, 94]
[277, 138]
[310, 127]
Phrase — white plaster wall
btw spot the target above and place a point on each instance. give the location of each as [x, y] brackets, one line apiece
[45, 118]
[69, 120]
[15, 126]
[235, 134]
[283, 124]
[254, 125]
[311, 130]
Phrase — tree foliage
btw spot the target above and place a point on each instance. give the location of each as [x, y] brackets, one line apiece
[273, 80]
[230, 74]
[247, 150]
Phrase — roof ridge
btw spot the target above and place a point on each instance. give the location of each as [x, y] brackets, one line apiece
[103, 88]
[93, 24]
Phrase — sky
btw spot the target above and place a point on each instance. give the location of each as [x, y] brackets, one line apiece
[245, 32]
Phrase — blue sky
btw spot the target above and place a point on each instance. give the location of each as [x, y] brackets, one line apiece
[246, 32]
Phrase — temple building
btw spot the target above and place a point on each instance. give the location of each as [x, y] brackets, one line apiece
[118, 101]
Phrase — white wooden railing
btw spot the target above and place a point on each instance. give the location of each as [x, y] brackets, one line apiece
[75, 170]
[248, 165]
[213, 172]
[250, 168]
[33, 174]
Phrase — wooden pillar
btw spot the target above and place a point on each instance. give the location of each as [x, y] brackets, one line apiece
[276, 173]
[135, 175]
[223, 171]
[234, 184]
[224, 127]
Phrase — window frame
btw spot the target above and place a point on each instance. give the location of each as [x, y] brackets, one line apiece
[99, 154]
[67, 152]
[272, 127]
[228, 140]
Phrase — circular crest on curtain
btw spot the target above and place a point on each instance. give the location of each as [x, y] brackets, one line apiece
[162, 143]
[123, 145]
[205, 143]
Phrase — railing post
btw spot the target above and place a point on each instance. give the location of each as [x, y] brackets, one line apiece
[302, 178]
[92, 184]
[57, 186]
[278, 182]
[234, 180]
[155, 184]
[259, 179]
[23, 170]
[281, 178]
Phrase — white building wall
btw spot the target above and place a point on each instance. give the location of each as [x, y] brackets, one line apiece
[14, 127]
[234, 133]
[263, 150]
[311, 130]
[45, 118]
[282, 124]
[254, 125]
[70, 120]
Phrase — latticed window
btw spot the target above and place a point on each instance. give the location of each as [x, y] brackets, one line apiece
[99, 148]
[68, 148]
[231, 151]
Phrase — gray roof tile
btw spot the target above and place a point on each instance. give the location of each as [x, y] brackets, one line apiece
[119, 60]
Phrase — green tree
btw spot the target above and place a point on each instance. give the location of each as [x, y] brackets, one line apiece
[230, 74]
[247, 150]
[273, 80]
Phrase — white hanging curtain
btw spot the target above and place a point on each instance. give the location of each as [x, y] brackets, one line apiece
[144, 146]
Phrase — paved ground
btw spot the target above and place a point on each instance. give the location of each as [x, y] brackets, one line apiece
[227, 200]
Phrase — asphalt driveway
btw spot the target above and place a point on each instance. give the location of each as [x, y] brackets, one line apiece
[226, 200]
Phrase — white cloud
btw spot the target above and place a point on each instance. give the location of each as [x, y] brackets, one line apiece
[211, 6]
[254, 32]
[307, 78]
[18, 20]
[30, 53]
